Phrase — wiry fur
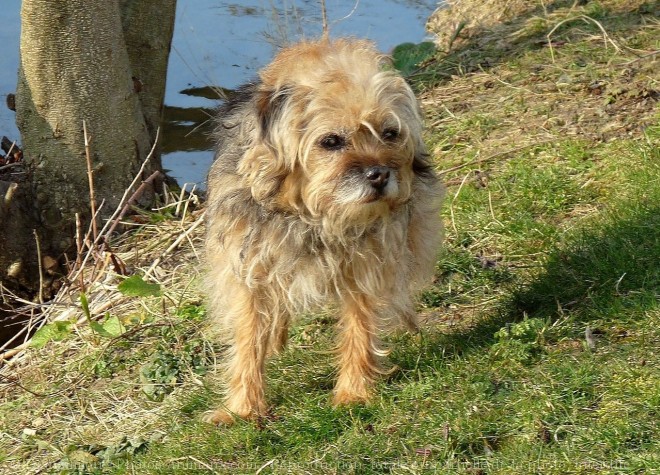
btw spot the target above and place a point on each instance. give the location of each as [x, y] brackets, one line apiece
[294, 225]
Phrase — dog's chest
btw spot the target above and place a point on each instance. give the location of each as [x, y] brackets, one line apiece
[312, 269]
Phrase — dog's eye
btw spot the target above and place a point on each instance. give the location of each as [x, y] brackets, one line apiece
[333, 142]
[390, 135]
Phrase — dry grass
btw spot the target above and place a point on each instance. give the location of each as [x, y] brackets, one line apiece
[500, 101]
[502, 22]
[67, 398]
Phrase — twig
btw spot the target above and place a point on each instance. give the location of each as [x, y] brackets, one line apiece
[11, 148]
[90, 246]
[10, 165]
[23, 331]
[176, 243]
[41, 270]
[130, 201]
[78, 272]
[79, 250]
[492, 211]
[181, 198]
[492, 157]
[166, 193]
[644, 56]
[324, 17]
[93, 247]
[121, 203]
[451, 204]
[185, 207]
[357, 3]
[14, 351]
[31, 323]
[585, 19]
[133, 183]
[205, 465]
[92, 201]
[266, 465]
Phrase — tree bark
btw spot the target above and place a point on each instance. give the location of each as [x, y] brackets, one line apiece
[99, 61]
[148, 28]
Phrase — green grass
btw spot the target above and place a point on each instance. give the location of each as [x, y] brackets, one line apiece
[553, 233]
[517, 390]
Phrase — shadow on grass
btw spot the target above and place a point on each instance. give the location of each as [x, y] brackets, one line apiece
[600, 271]
[609, 271]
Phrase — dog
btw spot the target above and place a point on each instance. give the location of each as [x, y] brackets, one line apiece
[321, 192]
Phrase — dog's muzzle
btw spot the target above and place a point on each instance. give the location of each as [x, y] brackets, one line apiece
[378, 177]
[368, 185]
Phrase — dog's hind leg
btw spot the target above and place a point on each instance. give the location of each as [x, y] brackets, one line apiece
[244, 368]
[358, 351]
[404, 310]
[279, 334]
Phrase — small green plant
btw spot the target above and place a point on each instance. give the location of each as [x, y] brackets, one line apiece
[111, 327]
[56, 331]
[530, 330]
[408, 56]
[520, 341]
[195, 313]
[93, 458]
[169, 364]
[135, 286]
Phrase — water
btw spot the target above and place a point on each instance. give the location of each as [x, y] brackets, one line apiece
[9, 37]
[223, 44]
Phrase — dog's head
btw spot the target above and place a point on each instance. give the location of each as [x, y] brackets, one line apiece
[339, 135]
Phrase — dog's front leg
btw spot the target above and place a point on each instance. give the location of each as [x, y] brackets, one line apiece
[358, 351]
[244, 368]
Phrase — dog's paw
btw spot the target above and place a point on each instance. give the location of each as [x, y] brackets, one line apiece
[410, 321]
[345, 398]
[229, 413]
[219, 417]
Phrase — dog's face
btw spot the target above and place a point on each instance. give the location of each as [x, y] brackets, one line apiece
[339, 137]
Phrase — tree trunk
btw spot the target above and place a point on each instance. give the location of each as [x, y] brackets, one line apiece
[82, 60]
[148, 28]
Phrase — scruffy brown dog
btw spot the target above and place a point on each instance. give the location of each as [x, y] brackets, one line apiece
[321, 192]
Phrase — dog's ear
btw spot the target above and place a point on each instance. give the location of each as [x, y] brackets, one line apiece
[422, 165]
[271, 104]
[265, 163]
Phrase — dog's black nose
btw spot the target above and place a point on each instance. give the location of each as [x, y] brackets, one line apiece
[377, 176]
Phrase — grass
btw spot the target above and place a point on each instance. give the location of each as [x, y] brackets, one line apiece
[540, 348]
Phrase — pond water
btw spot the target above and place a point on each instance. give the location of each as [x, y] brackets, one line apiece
[223, 44]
